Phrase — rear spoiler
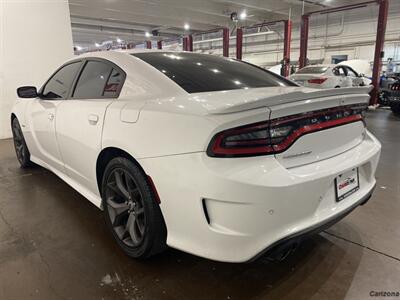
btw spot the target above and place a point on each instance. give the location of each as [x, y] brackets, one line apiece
[281, 98]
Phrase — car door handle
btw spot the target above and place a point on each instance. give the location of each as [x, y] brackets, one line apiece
[50, 117]
[93, 119]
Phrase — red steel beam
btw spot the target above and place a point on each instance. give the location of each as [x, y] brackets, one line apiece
[225, 41]
[286, 47]
[159, 45]
[305, 20]
[185, 43]
[190, 42]
[380, 41]
[305, 25]
[239, 43]
[148, 44]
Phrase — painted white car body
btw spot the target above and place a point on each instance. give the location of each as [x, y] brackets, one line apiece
[329, 76]
[251, 202]
[361, 66]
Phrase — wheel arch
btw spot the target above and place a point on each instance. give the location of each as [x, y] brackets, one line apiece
[105, 156]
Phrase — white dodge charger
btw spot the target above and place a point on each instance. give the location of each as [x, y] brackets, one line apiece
[209, 155]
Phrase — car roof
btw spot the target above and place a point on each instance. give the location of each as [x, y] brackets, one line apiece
[112, 53]
[321, 65]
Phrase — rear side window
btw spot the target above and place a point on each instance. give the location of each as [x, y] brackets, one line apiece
[59, 85]
[350, 72]
[92, 81]
[197, 73]
[339, 71]
[114, 84]
[312, 70]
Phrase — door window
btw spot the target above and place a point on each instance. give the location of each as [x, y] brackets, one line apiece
[92, 80]
[59, 85]
[350, 72]
[339, 71]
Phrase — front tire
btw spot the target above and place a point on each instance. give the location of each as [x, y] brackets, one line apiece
[21, 149]
[131, 211]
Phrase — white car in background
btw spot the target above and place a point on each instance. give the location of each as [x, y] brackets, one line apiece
[209, 155]
[329, 76]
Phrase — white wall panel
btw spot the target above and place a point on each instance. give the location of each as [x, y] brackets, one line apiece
[35, 38]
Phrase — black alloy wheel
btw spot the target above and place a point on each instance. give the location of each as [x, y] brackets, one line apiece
[21, 149]
[125, 207]
[131, 209]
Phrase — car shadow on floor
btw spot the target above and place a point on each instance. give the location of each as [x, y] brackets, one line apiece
[70, 233]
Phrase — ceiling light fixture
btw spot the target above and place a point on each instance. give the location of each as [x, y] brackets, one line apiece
[147, 34]
[243, 15]
[97, 45]
[186, 26]
[78, 48]
[119, 41]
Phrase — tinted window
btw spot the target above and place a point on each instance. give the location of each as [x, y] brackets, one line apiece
[312, 70]
[203, 73]
[114, 84]
[58, 86]
[350, 72]
[92, 81]
[339, 71]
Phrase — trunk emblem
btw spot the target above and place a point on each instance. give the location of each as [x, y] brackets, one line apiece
[297, 154]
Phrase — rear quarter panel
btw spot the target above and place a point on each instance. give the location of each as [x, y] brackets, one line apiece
[173, 131]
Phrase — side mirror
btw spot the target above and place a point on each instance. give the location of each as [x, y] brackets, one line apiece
[27, 92]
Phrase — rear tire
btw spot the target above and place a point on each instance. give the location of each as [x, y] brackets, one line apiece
[21, 149]
[131, 211]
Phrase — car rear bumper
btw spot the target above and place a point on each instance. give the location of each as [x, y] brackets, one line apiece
[233, 209]
[297, 237]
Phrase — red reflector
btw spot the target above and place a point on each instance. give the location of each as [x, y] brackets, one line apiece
[317, 80]
[153, 188]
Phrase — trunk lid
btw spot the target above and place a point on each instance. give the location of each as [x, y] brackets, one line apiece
[302, 79]
[337, 125]
[324, 143]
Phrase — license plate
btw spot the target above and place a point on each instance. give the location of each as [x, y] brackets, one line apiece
[346, 184]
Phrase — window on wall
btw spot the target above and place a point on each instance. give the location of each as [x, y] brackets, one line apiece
[59, 85]
[338, 58]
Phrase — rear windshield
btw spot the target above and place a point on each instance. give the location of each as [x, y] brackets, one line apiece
[198, 73]
[312, 70]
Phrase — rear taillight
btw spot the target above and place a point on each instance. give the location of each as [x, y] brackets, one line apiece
[317, 80]
[246, 140]
[395, 87]
[277, 135]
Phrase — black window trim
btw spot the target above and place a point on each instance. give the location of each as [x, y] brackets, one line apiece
[341, 67]
[83, 62]
[351, 69]
[111, 64]
[40, 93]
